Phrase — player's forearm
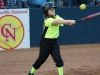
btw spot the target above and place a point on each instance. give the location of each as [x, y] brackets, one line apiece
[55, 22]
[66, 22]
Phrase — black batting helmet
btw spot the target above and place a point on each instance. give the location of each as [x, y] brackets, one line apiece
[46, 6]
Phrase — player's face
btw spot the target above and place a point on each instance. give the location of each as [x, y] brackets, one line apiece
[51, 11]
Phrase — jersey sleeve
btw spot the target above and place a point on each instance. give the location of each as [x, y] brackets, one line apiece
[59, 18]
[48, 22]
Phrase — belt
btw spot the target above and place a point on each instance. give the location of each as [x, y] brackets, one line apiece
[50, 38]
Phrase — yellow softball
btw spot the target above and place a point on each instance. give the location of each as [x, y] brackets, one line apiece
[83, 6]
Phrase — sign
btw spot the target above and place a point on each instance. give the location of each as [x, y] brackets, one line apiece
[14, 29]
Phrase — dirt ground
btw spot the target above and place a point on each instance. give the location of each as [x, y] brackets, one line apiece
[78, 60]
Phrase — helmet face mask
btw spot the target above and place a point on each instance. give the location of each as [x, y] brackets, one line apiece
[46, 7]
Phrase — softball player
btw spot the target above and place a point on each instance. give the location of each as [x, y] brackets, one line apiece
[48, 42]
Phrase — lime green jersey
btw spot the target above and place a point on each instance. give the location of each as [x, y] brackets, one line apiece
[51, 31]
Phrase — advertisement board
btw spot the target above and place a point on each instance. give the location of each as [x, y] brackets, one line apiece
[14, 29]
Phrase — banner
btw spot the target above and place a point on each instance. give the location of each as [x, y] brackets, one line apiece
[14, 29]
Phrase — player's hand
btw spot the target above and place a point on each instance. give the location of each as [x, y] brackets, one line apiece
[71, 22]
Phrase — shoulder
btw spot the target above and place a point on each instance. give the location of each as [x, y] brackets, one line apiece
[48, 21]
[58, 17]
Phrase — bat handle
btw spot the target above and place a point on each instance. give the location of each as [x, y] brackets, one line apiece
[79, 20]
